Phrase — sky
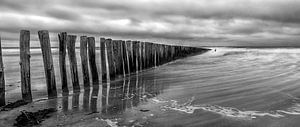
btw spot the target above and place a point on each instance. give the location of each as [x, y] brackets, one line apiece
[184, 22]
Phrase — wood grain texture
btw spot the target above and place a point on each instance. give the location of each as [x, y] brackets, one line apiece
[48, 63]
[84, 61]
[62, 61]
[71, 40]
[25, 65]
[92, 59]
[2, 80]
[103, 60]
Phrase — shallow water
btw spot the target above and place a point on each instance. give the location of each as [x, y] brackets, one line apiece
[230, 87]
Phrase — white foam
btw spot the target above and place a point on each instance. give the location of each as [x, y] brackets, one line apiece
[295, 110]
[158, 100]
[110, 122]
[224, 111]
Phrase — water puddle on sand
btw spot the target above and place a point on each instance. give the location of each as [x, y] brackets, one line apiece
[231, 112]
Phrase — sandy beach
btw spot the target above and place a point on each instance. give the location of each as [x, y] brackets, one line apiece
[230, 87]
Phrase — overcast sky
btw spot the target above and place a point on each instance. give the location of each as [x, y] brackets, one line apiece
[189, 22]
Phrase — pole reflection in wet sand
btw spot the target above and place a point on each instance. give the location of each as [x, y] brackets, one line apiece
[111, 99]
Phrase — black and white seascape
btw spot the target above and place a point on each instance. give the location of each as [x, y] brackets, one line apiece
[150, 63]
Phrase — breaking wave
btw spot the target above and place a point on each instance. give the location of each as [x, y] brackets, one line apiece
[189, 108]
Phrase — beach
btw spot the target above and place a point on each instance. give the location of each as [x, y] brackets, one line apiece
[236, 87]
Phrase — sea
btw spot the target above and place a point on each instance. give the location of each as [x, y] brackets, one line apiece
[224, 87]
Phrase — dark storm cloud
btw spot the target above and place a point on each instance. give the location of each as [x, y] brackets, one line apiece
[225, 22]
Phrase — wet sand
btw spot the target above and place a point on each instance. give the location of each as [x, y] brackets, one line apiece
[230, 87]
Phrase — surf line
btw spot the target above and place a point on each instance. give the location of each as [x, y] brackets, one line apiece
[231, 112]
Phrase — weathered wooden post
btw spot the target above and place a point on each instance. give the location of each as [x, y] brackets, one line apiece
[135, 50]
[139, 54]
[103, 59]
[169, 53]
[142, 47]
[2, 81]
[92, 59]
[165, 53]
[110, 58]
[48, 63]
[116, 57]
[62, 61]
[153, 54]
[124, 58]
[84, 61]
[152, 51]
[25, 65]
[130, 56]
[173, 52]
[147, 54]
[71, 39]
[176, 52]
[157, 55]
[119, 44]
[150, 55]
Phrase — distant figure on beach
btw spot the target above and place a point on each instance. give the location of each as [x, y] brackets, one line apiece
[215, 50]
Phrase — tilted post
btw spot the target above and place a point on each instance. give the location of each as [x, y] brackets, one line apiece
[84, 62]
[2, 81]
[129, 56]
[103, 59]
[25, 65]
[71, 39]
[48, 63]
[62, 61]
[92, 59]
[110, 59]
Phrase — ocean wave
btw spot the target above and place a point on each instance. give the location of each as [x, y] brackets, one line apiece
[234, 53]
[294, 110]
[189, 108]
[158, 100]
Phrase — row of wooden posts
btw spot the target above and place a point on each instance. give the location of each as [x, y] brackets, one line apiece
[118, 58]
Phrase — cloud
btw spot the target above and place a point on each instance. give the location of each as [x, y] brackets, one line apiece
[195, 22]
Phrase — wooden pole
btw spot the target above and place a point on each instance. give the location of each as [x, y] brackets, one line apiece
[103, 59]
[48, 63]
[129, 56]
[160, 54]
[135, 55]
[147, 51]
[155, 49]
[158, 60]
[62, 61]
[92, 60]
[165, 54]
[84, 61]
[25, 65]
[124, 58]
[2, 81]
[173, 52]
[120, 50]
[152, 53]
[139, 54]
[110, 58]
[116, 57]
[142, 47]
[71, 39]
